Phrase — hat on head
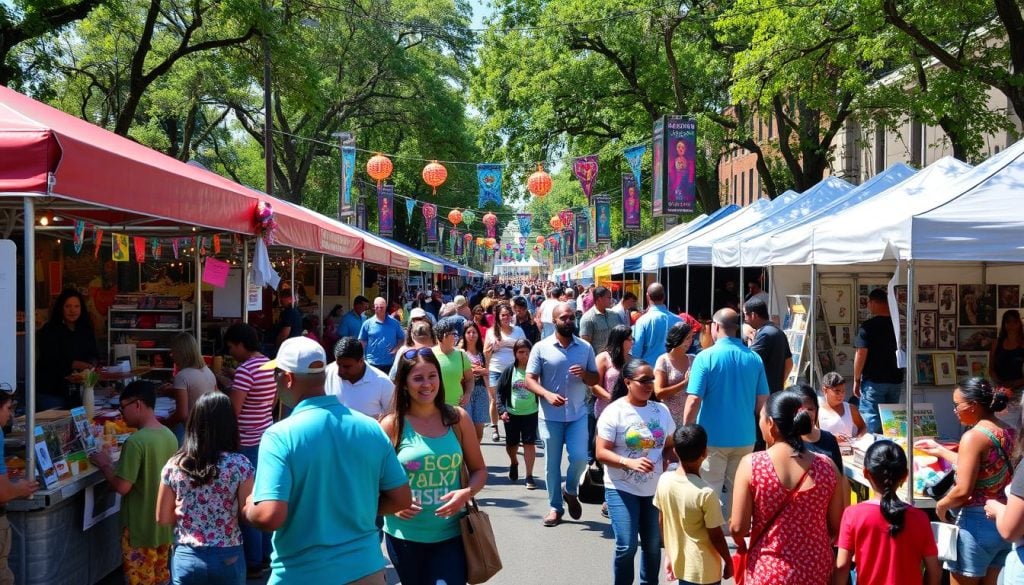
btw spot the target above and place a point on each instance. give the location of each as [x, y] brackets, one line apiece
[299, 355]
[417, 313]
[460, 301]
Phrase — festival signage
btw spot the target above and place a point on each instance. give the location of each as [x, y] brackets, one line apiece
[569, 242]
[525, 223]
[582, 231]
[635, 157]
[603, 210]
[430, 219]
[630, 203]
[385, 210]
[675, 164]
[489, 177]
[348, 167]
[585, 168]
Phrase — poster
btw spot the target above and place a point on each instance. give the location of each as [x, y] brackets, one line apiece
[894, 420]
[386, 210]
[630, 203]
[602, 206]
[675, 165]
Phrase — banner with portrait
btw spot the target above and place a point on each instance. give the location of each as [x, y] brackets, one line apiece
[585, 168]
[582, 231]
[348, 168]
[603, 225]
[675, 166]
[430, 221]
[489, 179]
[525, 223]
[630, 203]
[386, 210]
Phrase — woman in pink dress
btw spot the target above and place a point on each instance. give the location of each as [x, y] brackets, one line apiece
[786, 499]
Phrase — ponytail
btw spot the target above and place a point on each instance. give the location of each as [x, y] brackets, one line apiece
[887, 463]
[628, 372]
[791, 418]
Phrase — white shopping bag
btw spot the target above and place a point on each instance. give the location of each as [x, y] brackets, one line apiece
[945, 539]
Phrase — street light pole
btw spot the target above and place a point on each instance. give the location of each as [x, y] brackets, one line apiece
[268, 123]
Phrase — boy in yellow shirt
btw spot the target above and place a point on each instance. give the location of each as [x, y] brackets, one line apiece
[691, 516]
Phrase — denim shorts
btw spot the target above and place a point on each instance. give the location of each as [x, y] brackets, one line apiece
[479, 405]
[979, 546]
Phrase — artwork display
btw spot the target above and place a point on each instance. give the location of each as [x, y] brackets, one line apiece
[927, 329]
[970, 365]
[946, 332]
[927, 296]
[945, 368]
[864, 288]
[977, 304]
[630, 203]
[947, 299]
[894, 420]
[843, 334]
[836, 300]
[1009, 296]
[925, 369]
[975, 338]
[675, 150]
[602, 206]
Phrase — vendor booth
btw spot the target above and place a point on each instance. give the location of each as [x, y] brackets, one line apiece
[158, 247]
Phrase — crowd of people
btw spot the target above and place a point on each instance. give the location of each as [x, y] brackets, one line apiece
[697, 434]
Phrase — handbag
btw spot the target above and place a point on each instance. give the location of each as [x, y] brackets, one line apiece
[740, 559]
[946, 536]
[482, 558]
[591, 489]
[938, 489]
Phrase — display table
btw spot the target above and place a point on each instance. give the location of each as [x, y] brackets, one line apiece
[860, 486]
[49, 545]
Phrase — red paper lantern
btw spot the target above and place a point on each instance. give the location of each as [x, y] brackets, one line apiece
[455, 216]
[540, 240]
[539, 182]
[552, 240]
[379, 167]
[556, 223]
[490, 219]
[434, 174]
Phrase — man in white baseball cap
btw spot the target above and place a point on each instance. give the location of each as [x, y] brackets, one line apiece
[319, 537]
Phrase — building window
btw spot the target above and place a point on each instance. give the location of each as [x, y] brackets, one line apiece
[734, 188]
[743, 193]
[760, 129]
[879, 148]
[750, 183]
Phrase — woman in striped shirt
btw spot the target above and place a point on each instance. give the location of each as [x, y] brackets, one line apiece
[252, 394]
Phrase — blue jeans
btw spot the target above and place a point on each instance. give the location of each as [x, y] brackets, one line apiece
[979, 546]
[634, 518]
[428, 563]
[255, 541]
[871, 395]
[208, 565]
[572, 436]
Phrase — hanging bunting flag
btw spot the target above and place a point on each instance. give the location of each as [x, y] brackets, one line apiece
[97, 243]
[585, 168]
[630, 203]
[489, 177]
[635, 156]
[79, 236]
[154, 248]
[119, 248]
[525, 223]
[602, 206]
[385, 204]
[216, 243]
[581, 231]
[348, 167]
[430, 218]
[140, 249]
[410, 204]
[675, 163]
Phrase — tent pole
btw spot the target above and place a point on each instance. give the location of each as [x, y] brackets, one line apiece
[295, 293]
[687, 303]
[712, 301]
[771, 295]
[740, 286]
[245, 280]
[909, 379]
[321, 297]
[28, 260]
[812, 322]
[199, 296]
[362, 278]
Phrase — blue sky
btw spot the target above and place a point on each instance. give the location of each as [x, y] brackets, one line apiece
[481, 10]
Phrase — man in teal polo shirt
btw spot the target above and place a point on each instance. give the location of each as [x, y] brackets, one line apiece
[320, 537]
[726, 380]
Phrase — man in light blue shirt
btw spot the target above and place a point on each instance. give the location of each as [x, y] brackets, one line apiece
[560, 368]
[319, 535]
[651, 329]
[381, 335]
[726, 381]
[352, 321]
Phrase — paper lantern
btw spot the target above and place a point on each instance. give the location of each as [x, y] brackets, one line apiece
[479, 241]
[539, 182]
[434, 174]
[469, 217]
[455, 216]
[468, 238]
[379, 168]
[555, 223]
[492, 242]
[552, 240]
[490, 220]
[540, 240]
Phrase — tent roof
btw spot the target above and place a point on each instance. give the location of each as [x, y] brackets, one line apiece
[631, 261]
[677, 254]
[757, 251]
[129, 183]
[983, 223]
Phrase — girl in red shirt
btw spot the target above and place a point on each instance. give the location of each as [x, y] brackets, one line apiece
[888, 538]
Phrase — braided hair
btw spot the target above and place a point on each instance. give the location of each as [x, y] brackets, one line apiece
[887, 463]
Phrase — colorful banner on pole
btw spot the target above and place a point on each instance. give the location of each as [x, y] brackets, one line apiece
[348, 167]
[585, 168]
[569, 242]
[581, 231]
[635, 157]
[566, 216]
[385, 210]
[410, 204]
[603, 210]
[430, 219]
[489, 177]
[525, 223]
[79, 236]
[675, 164]
[630, 203]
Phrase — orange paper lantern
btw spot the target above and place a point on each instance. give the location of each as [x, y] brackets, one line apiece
[492, 242]
[379, 168]
[555, 223]
[540, 240]
[434, 174]
[455, 216]
[539, 182]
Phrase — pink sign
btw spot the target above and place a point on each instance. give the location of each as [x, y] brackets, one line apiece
[215, 272]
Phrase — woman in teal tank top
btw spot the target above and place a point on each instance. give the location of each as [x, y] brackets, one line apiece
[432, 440]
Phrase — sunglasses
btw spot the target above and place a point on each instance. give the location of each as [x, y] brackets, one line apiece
[412, 353]
[644, 381]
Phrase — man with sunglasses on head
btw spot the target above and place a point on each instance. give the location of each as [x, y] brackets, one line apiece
[726, 380]
[9, 490]
[145, 545]
[560, 368]
[318, 536]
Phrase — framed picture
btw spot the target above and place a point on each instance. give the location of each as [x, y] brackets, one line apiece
[1009, 296]
[836, 300]
[947, 299]
[945, 368]
[826, 362]
[977, 304]
[946, 338]
[926, 329]
[975, 338]
[901, 298]
[927, 296]
[977, 364]
[843, 334]
[925, 369]
[963, 367]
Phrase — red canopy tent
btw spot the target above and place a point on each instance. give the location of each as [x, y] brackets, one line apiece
[130, 184]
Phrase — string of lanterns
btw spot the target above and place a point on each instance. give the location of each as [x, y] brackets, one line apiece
[434, 174]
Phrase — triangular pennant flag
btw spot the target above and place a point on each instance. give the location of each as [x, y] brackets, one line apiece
[410, 204]
[140, 248]
[216, 244]
[98, 243]
[585, 168]
[79, 236]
